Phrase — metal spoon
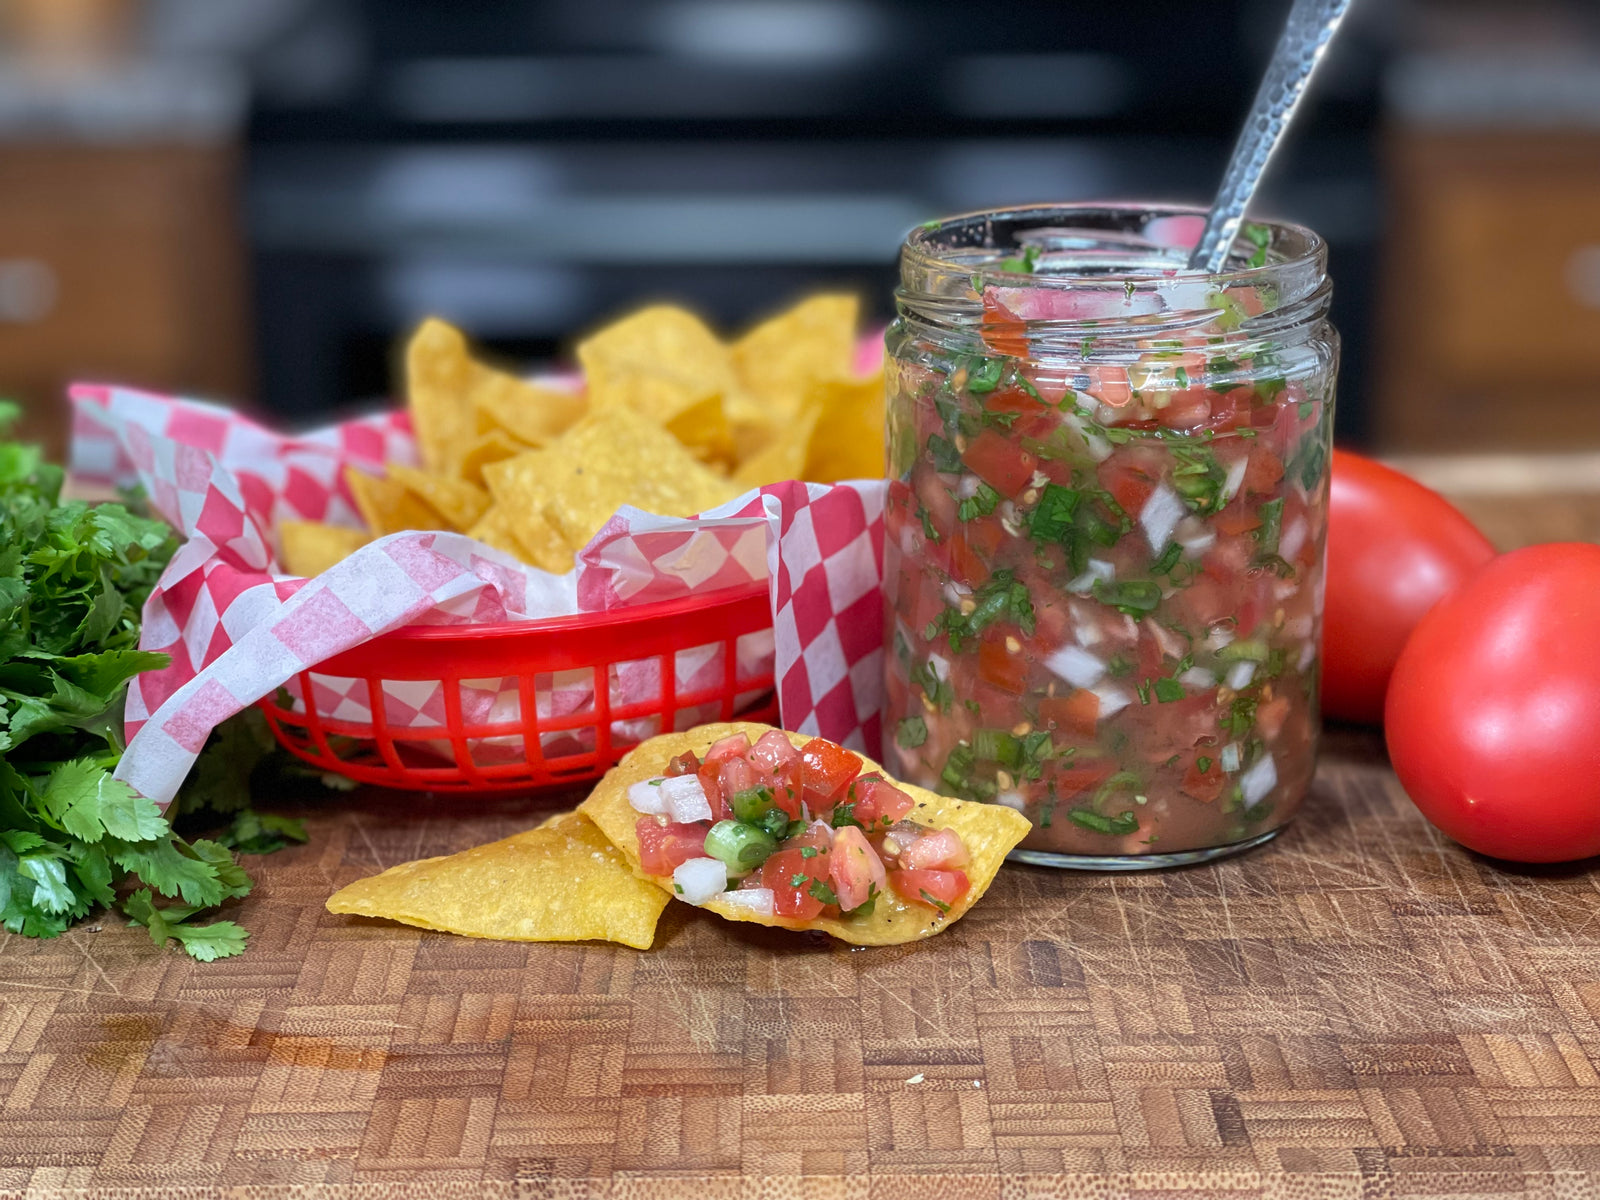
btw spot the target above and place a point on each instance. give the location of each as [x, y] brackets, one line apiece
[1311, 26]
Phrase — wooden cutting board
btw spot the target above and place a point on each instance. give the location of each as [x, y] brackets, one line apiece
[1357, 1009]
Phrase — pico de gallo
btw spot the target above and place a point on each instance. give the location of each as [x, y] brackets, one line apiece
[1103, 578]
[788, 831]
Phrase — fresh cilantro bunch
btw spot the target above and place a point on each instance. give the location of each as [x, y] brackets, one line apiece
[73, 581]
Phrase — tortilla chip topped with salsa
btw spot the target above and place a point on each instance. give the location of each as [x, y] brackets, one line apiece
[781, 829]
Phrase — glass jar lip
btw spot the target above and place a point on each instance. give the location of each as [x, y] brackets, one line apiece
[1304, 246]
[1106, 270]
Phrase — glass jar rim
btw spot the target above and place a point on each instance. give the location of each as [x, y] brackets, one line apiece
[1125, 263]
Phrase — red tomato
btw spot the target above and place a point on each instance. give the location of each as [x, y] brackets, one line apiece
[1006, 671]
[994, 458]
[1003, 331]
[732, 746]
[935, 889]
[711, 783]
[1187, 410]
[1204, 785]
[791, 899]
[827, 768]
[854, 868]
[941, 850]
[1493, 714]
[1394, 548]
[665, 848]
[1262, 472]
[1077, 713]
[878, 802]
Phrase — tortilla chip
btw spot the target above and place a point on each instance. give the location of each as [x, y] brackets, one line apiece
[666, 364]
[311, 547]
[608, 459]
[988, 830]
[440, 374]
[388, 507]
[531, 413]
[779, 360]
[462, 504]
[528, 537]
[560, 882]
[848, 442]
[785, 455]
[487, 448]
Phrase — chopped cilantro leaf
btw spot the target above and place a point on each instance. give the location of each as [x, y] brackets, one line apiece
[980, 504]
[911, 732]
[934, 900]
[1168, 690]
[821, 891]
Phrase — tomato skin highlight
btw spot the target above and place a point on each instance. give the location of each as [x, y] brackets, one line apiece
[1394, 549]
[916, 887]
[825, 769]
[1493, 712]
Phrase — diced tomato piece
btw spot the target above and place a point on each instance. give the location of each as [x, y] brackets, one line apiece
[790, 874]
[1204, 785]
[1236, 518]
[940, 850]
[786, 785]
[772, 750]
[1187, 410]
[1000, 462]
[877, 801]
[1270, 717]
[826, 770]
[1110, 385]
[1263, 471]
[1006, 671]
[711, 783]
[1003, 331]
[1206, 601]
[1129, 481]
[1090, 773]
[665, 848]
[687, 763]
[854, 868]
[933, 889]
[735, 745]
[1076, 713]
[967, 565]
[737, 775]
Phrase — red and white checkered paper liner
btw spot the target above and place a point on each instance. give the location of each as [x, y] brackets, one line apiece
[238, 629]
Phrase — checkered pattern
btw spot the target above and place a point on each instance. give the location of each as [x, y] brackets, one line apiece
[237, 629]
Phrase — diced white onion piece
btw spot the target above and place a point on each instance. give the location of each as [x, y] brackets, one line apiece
[1236, 470]
[1198, 678]
[1293, 539]
[753, 900]
[940, 666]
[1076, 665]
[1258, 781]
[1229, 758]
[1112, 699]
[1220, 636]
[1307, 653]
[1194, 536]
[954, 592]
[1165, 638]
[1095, 569]
[822, 827]
[1297, 627]
[1038, 479]
[647, 798]
[1099, 448]
[1014, 800]
[968, 487]
[686, 799]
[699, 879]
[1240, 675]
[1160, 516]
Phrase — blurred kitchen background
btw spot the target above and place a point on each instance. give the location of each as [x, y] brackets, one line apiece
[253, 200]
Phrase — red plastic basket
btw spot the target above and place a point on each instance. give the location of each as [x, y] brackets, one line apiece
[531, 749]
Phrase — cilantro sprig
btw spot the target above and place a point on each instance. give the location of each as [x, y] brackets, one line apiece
[74, 577]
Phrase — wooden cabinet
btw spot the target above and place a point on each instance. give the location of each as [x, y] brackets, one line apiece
[121, 264]
[1491, 309]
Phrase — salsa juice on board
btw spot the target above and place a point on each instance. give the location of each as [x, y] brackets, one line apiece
[1105, 522]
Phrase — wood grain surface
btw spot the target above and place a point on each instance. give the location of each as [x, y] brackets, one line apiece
[1359, 1008]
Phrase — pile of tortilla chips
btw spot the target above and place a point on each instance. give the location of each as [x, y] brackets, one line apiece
[670, 419]
[577, 877]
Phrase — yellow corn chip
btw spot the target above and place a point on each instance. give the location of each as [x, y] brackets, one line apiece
[664, 363]
[485, 449]
[989, 832]
[608, 459]
[533, 414]
[780, 359]
[462, 504]
[440, 374]
[561, 882]
[310, 547]
[525, 535]
[784, 457]
[848, 442]
[388, 507]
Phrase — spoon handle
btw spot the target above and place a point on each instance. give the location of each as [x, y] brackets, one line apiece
[1311, 26]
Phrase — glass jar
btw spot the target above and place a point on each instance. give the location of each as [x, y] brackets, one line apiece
[1104, 544]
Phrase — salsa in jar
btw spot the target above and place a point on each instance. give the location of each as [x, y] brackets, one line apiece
[1105, 522]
